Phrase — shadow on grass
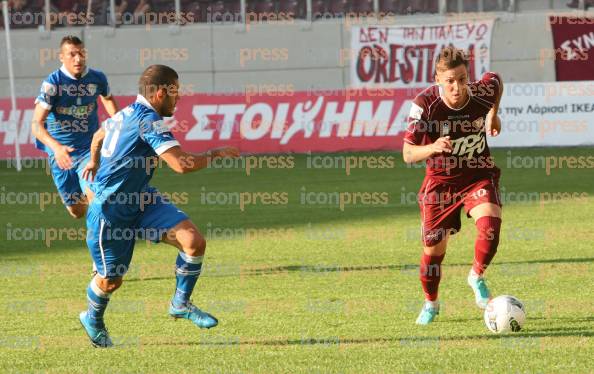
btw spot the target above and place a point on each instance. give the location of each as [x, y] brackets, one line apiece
[516, 340]
[248, 270]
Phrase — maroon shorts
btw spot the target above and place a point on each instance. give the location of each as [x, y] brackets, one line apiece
[442, 202]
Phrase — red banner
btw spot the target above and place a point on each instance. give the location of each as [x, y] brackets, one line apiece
[325, 121]
[573, 38]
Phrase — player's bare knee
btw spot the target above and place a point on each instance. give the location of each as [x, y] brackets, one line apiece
[77, 211]
[437, 249]
[109, 285]
[195, 245]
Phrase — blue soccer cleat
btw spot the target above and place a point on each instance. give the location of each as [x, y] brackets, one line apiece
[428, 313]
[481, 291]
[191, 312]
[99, 337]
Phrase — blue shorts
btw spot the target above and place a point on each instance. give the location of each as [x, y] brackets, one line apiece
[70, 183]
[111, 244]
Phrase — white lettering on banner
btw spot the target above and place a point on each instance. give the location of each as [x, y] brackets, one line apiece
[201, 131]
[353, 119]
[24, 125]
[401, 120]
[532, 114]
[332, 118]
[263, 125]
[229, 112]
[369, 123]
[279, 121]
[8, 126]
[403, 56]
[303, 119]
[582, 43]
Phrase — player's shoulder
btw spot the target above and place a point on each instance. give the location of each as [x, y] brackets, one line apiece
[95, 73]
[428, 96]
[424, 102]
[53, 77]
[488, 77]
[95, 76]
[148, 119]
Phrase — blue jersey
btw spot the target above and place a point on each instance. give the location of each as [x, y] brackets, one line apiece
[72, 103]
[134, 137]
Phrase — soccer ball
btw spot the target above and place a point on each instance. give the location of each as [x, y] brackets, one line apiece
[505, 313]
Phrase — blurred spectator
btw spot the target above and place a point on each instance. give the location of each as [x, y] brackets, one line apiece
[224, 11]
[393, 6]
[163, 6]
[362, 7]
[318, 9]
[98, 13]
[21, 16]
[65, 9]
[576, 3]
[140, 9]
[292, 8]
[260, 10]
[121, 7]
[339, 7]
[421, 6]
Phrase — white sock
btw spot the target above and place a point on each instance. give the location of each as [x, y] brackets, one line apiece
[474, 274]
[433, 304]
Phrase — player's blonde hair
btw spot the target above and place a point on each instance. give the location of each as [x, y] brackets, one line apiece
[450, 57]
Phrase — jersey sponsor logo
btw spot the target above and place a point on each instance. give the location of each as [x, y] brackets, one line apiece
[469, 146]
[80, 112]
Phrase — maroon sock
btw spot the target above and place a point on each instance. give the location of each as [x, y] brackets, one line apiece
[486, 242]
[430, 274]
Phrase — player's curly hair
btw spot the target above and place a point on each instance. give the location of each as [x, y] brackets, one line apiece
[156, 77]
[450, 57]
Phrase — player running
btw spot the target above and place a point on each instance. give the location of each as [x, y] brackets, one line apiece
[65, 120]
[130, 144]
[447, 125]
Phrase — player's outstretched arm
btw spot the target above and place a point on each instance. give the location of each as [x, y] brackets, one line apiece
[110, 104]
[415, 153]
[91, 167]
[61, 152]
[493, 123]
[182, 162]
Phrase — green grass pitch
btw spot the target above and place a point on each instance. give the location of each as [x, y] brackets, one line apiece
[309, 288]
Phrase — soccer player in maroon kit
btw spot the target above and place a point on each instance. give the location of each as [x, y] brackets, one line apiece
[447, 127]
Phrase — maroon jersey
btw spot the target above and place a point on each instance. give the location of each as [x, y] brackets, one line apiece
[431, 118]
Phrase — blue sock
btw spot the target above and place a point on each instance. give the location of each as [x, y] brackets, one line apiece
[187, 271]
[97, 304]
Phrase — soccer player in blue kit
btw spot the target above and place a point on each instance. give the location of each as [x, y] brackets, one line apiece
[124, 155]
[65, 120]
